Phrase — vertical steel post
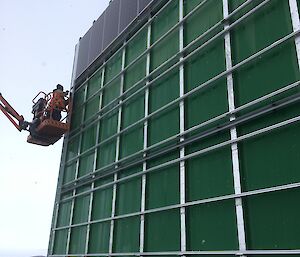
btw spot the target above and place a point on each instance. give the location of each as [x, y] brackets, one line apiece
[94, 167]
[296, 25]
[113, 208]
[145, 144]
[233, 136]
[182, 120]
[76, 172]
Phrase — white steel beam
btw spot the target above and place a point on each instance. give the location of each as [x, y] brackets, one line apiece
[145, 144]
[114, 197]
[94, 167]
[182, 128]
[280, 253]
[296, 25]
[233, 136]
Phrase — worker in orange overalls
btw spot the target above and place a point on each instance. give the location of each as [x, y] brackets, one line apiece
[57, 103]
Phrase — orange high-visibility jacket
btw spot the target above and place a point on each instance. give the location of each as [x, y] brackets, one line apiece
[57, 101]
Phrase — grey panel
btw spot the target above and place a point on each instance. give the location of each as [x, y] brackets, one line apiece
[118, 15]
[83, 52]
[128, 13]
[96, 44]
[143, 4]
[111, 22]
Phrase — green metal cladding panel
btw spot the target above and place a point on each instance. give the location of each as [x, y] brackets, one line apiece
[186, 141]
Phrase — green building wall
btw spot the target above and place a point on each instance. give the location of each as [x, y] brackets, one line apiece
[187, 140]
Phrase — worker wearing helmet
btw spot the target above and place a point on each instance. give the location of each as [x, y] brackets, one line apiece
[57, 103]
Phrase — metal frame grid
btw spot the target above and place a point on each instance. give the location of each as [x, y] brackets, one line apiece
[231, 120]
[98, 116]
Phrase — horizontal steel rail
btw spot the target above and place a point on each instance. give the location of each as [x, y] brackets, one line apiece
[189, 156]
[92, 119]
[179, 253]
[193, 129]
[191, 203]
[192, 92]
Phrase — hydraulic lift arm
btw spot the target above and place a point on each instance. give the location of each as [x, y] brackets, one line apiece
[47, 125]
[15, 118]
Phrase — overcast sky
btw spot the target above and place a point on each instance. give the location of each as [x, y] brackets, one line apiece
[37, 39]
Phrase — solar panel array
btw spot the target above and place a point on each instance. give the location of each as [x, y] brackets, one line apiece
[118, 15]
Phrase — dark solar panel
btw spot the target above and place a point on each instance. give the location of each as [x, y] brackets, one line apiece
[143, 4]
[111, 24]
[128, 13]
[83, 52]
[118, 15]
[96, 44]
